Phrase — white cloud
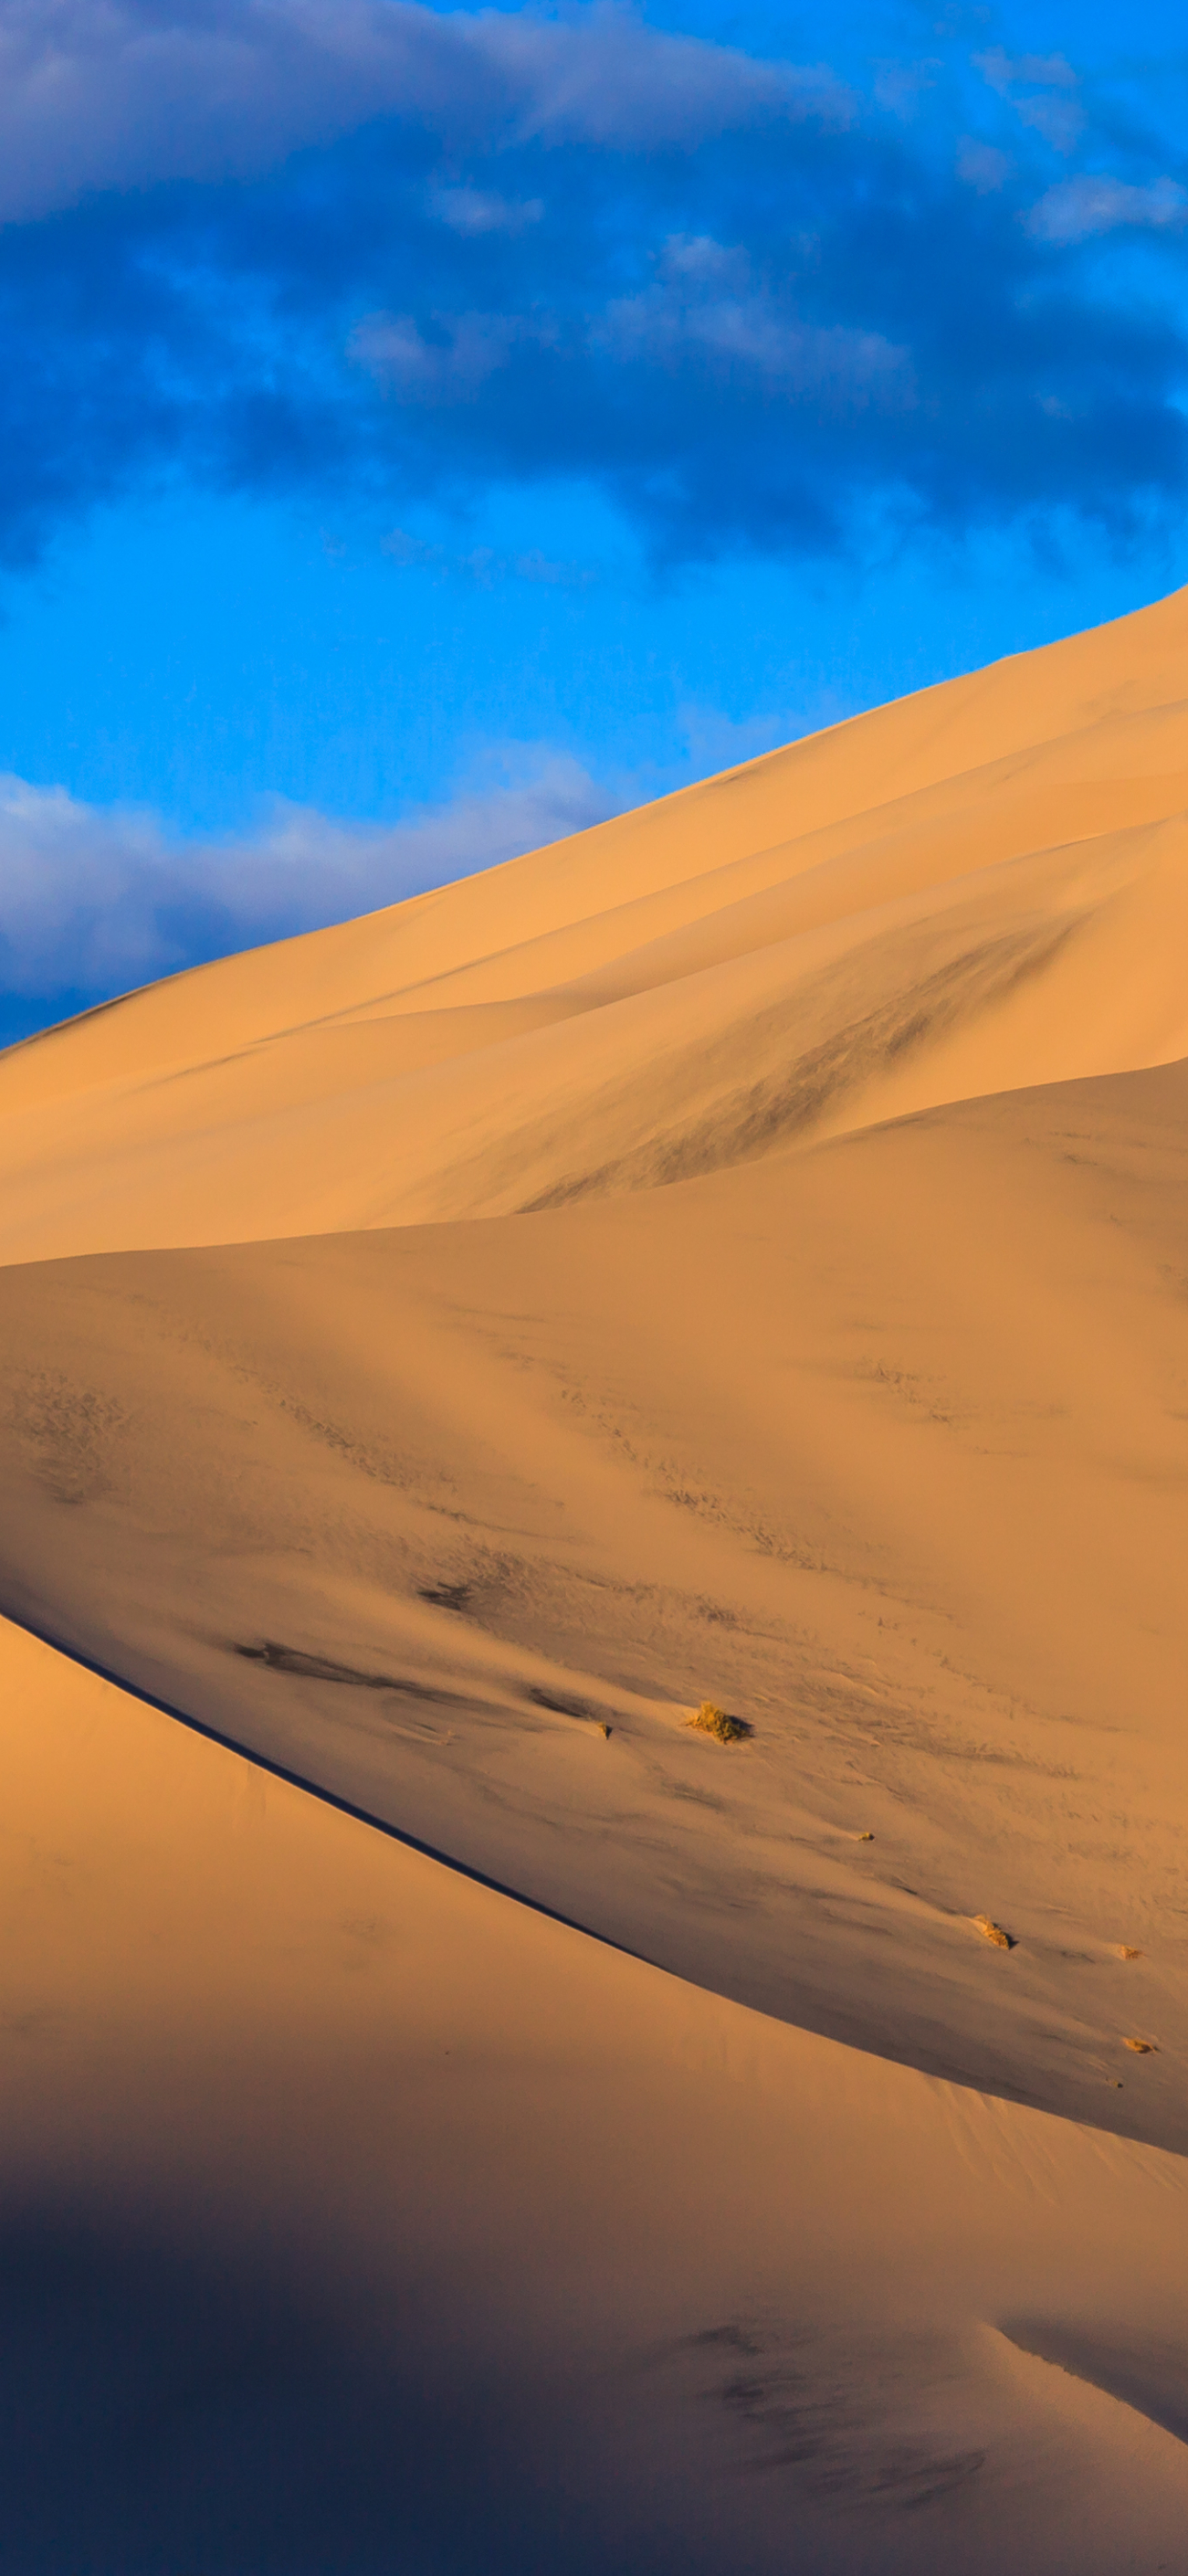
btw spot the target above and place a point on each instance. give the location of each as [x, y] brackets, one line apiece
[1050, 108]
[1005, 72]
[601, 73]
[468, 348]
[1050, 80]
[483, 565]
[405, 548]
[980, 166]
[1059, 120]
[96, 900]
[119, 93]
[1077, 208]
[549, 573]
[480, 210]
[899, 86]
[703, 302]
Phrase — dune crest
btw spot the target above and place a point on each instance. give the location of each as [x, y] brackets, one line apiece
[820, 1356]
[881, 1448]
[980, 887]
[399, 2211]
[656, 1378]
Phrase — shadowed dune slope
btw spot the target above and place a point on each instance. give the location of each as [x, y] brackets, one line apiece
[353, 2218]
[981, 886]
[740, 1254]
[883, 1447]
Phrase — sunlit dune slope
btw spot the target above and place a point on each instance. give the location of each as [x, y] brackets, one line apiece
[882, 1446]
[392, 1427]
[981, 886]
[351, 2216]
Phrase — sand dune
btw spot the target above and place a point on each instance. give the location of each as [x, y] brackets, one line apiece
[738, 1253]
[387, 2225]
[979, 888]
[884, 1446]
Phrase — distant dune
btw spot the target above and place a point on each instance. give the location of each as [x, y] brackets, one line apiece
[978, 888]
[739, 1254]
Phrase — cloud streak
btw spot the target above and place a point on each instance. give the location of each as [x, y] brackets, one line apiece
[705, 307]
[1078, 209]
[125, 93]
[95, 901]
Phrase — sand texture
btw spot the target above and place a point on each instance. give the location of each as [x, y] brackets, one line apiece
[511, 2250]
[736, 1257]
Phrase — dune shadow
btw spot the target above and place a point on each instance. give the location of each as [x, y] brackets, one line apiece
[181, 2403]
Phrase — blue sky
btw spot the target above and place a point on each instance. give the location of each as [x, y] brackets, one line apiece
[426, 430]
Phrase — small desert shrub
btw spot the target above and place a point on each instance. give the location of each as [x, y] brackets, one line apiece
[991, 1931]
[714, 1721]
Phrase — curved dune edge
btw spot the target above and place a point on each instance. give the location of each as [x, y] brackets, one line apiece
[1134, 2380]
[737, 1255]
[981, 887]
[880, 1447]
[306, 1787]
[353, 2200]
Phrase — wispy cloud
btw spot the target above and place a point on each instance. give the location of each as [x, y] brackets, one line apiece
[444, 361]
[95, 901]
[484, 564]
[704, 305]
[982, 166]
[1041, 88]
[483, 210]
[1076, 209]
[123, 93]
[1006, 72]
